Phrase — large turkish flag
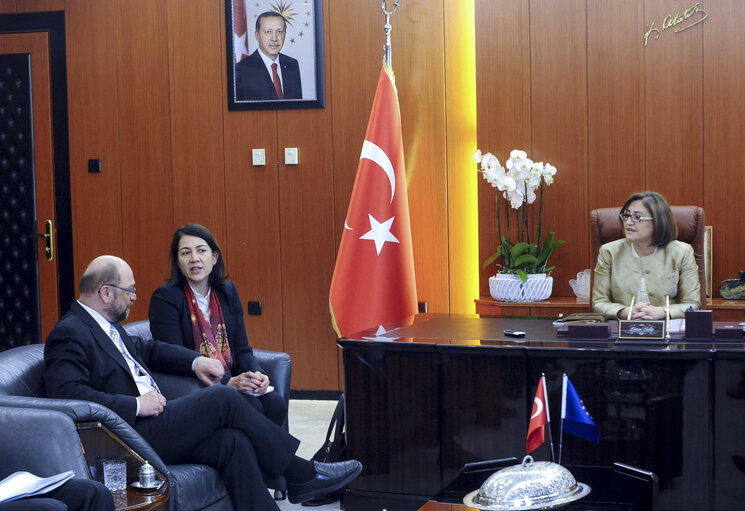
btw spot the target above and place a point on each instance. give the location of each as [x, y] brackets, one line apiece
[373, 280]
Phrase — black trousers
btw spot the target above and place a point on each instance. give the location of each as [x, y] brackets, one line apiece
[272, 405]
[74, 495]
[217, 427]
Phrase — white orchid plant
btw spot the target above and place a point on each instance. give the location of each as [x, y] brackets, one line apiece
[518, 185]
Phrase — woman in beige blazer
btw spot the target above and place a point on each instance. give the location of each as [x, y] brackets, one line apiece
[648, 264]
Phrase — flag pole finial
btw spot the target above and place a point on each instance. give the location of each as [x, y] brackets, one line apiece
[387, 27]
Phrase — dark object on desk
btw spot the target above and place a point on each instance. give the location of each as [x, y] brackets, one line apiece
[581, 317]
[739, 462]
[514, 333]
[733, 289]
[729, 333]
[698, 325]
[588, 331]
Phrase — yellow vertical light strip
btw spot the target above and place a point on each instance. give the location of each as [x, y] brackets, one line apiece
[460, 136]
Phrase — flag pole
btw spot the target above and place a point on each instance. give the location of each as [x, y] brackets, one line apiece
[387, 27]
[550, 435]
[563, 412]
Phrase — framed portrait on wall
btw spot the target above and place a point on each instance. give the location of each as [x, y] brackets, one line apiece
[274, 54]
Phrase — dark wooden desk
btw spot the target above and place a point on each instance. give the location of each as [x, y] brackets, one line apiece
[438, 392]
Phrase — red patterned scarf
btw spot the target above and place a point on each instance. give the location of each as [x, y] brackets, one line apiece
[210, 337]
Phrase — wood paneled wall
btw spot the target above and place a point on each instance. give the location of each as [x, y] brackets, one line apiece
[147, 96]
[572, 83]
[568, 81]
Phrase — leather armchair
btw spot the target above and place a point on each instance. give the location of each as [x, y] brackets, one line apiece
[44, 442]
[192, 487]
[606, 227]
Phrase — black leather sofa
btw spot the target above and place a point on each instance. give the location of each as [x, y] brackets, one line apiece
[25, 413]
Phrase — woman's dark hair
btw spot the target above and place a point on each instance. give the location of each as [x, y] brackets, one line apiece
[665, 228]
[218, 275]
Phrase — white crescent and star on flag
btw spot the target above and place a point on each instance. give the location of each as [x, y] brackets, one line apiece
[538, 406]
[380, 232]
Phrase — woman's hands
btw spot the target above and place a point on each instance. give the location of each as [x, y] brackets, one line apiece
[255, 382]
[643, 311]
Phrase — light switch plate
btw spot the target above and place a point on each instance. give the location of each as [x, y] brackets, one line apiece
[258, 156]
[291, 156]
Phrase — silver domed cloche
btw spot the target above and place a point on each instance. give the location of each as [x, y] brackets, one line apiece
[530, 485]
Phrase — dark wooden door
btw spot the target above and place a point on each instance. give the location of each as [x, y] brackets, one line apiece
[29, 294]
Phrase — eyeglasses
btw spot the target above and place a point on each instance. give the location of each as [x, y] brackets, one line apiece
[636, 217]
[130, 290]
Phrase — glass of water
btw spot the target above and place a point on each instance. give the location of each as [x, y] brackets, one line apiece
[114, 474]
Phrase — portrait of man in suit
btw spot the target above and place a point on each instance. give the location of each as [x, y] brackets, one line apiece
[267, 74]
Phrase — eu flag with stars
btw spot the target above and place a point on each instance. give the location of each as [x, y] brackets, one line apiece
[576, 420]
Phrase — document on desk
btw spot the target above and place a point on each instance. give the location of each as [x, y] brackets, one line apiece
[269, 389]
[677, 326]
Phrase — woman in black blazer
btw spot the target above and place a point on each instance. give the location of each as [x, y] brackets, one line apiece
[200, 309]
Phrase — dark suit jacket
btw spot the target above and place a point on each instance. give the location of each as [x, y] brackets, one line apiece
[252, 81]
[83, 363]
[170, 322]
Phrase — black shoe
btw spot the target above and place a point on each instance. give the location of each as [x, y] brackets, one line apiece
[329, 477]
[322, 500]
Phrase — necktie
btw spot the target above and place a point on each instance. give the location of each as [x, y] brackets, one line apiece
[277, 83]
[114, 334]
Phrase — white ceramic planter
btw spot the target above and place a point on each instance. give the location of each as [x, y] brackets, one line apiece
[506, 287]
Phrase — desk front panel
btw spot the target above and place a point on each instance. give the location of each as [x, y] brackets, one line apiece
[393, 417]
[653, 411]
[484, 406]
[729, 430]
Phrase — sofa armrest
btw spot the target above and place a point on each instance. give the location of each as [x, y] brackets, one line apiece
[87, 411]
[43, 442]
[278, 366]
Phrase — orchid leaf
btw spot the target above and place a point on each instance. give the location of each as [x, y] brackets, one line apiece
[547, 247]
[525, 259]
[492, 258]
[518, 250]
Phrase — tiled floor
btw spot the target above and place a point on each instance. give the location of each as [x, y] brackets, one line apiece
[309, 421]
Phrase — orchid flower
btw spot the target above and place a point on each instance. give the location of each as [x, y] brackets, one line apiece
[549, 171]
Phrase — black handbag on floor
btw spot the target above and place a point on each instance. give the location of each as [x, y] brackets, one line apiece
[333, 449]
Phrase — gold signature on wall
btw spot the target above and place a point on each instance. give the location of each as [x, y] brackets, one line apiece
[680, 21]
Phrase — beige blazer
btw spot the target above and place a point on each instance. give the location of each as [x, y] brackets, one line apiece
[670, 271]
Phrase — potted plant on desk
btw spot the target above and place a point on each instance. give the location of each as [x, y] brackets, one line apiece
[523, 271]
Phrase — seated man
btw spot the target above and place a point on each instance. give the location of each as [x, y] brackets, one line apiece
[89, 356]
